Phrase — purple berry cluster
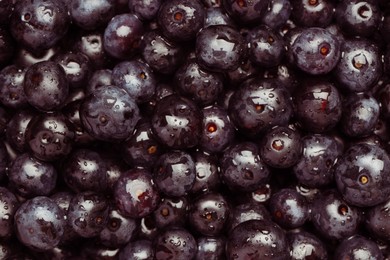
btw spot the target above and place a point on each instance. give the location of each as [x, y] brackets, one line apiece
[195, 129]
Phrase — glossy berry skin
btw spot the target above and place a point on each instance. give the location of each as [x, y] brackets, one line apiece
[245, 71]
[62, 199]
[177, 122]
[142, 149]
[377, 221]
[209, 214]
[49, 136]
[137, 250]
[288, 208]
[30, 177]
[333, 217]
[257, 239]
[90, 15]
[246, 12]
[145, 9]
[245, 212]
[119, 229]
[305, 245]
[160, 53]
[220, 48]
[77, 67]
[360, 115]
[281, 147]
[85, 170]
[242, 168]
[171, 212]
[174, 173]
[8, 206]
[316, 13]
[12, 87]
[207, 173]
[362, 175]
[115, 167]
[72, 113]
[109, 114]
[316, 51]
[317, 106]
[46, 86]
[135, 194]
[88, 213]
[258, 105]
[316, 166]
[122, 36]
[203, 86]
[216, 16]
[357, 17]
[357, 247]
[16, 129]
[211, 248]
[266, 47]
[212, 3]
[136, 78]
[39, 25]
[360, 67]
[175, 243]
[180, 20]
[277, 13]
[217, 130]
[98, 79]
[39, 223]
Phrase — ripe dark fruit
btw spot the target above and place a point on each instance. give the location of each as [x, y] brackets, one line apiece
[195, 129]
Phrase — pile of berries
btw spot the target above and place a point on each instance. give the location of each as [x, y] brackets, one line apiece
[194, 129]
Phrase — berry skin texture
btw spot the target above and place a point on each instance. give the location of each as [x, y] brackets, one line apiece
[360, 115]
[259, 104]
[122, 36]
[209, 214]
[109, 114]
[257, 239]
[333, 217]
[316, 166]
[46, 86]
[317, 106]
[174, 173]
[358, 247]
[362, 175]
[377, 221]
[180, 20]
[135, 194]
[177, 122]
[360, 65]
[39, 25]
[8, 206]
[316, 51]
[246, 12]
[242, 168]
[175, 243]
[31, 177]
[88, 213]
[49, 136]
[39, 223]
[220, 48]
[281, 147]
